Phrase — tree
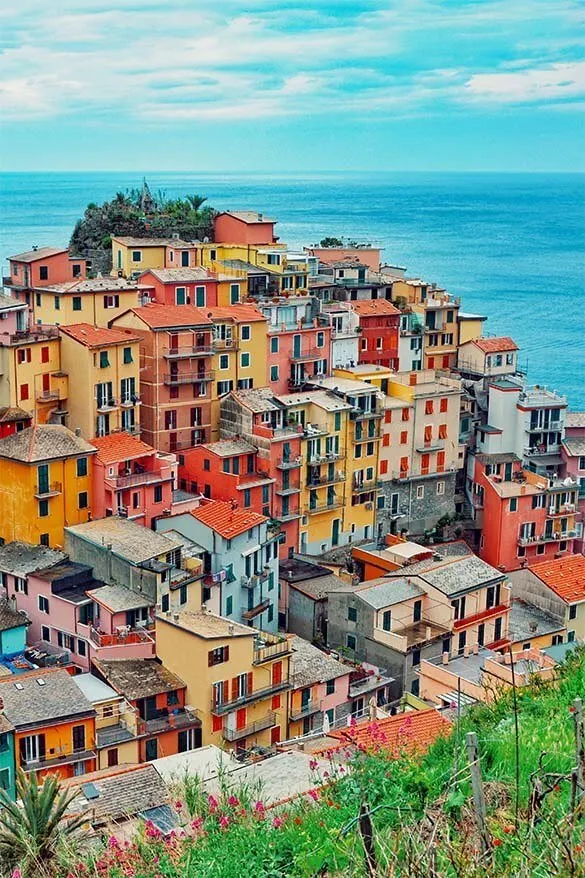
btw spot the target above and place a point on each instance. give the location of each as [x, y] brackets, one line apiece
[331, 242]
[32, 832]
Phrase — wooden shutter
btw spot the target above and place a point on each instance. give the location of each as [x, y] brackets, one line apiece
[210, 658]
[250, 682]
[234, 687]
[226, 690]
[226, 653]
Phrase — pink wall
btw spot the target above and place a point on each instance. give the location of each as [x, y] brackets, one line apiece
[337, 698]
[60, 270]
[283, 359]
[230, 230]
[370, 257]
[165, 293]
[106, 490]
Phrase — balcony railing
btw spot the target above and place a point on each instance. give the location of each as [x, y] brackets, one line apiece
[249, 697]
[168, 719]
[251, 582]
[309, 355]
[203, 350]
[187, 377]
[107, 405]
[256, 610]
[289, 462]
[547, 538]
[313, 706]
[134, 635]
[61, 756]
[258, 726]
[365, 487]
[360, 683]
[318, 508]
[566, 509]
[358, 414]
[269, 646]
[329, 456]
[47, 395]
[225, 344]
[48, 490]
[129, 401]
[313, 482]
[542, 450]
[140, 479]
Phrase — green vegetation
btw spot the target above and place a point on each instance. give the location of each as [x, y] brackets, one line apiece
[418, 811]
[331, 242]
[139, 213]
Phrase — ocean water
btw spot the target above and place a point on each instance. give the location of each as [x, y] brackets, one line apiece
[511, 245]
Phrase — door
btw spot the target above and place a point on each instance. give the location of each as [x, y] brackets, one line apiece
[79, 738]
[151, 749]
[46, 382]
[296, 345]
[275, 735]
[276, 673]
[43, 477]
[200, 297]
[147, 708]
[112, 757]
[185, 258]
[335, 532]
[305, 698]
[507, 472]
[417, 615]
[241, 718]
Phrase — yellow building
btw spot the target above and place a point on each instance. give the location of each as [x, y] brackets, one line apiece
[45, 484]
[116, 723]
[239, 353]
[95, 301]
[470, 327]
[237, 678]
[132, 256]
[439, 313]
[31, 374]
[104, 369]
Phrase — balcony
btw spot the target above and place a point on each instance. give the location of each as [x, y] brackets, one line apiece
[328, 457]
[430, 445]
[173, 380]
[319, 508]
[129, 401]
[61, 756]
[267, 647]
[358, 414]
[288, 491]
[256, 610]
[130, 481]
[360, 682]
[309, 356]
[542, 450]
[267, 722]
[566, 509]
[249, 698]
[107, 405]
[48, 490]
[28, 336]
[291, 515]
[547, 538]
[185, 351]
[48, 395]
[167, 720]
[365, 487]
[118, 638]
[225, 344]
[312, 707]
[108, 736]
[325, 480]
[251, 582]
[289, 462]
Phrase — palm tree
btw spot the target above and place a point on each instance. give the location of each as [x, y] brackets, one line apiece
[196, 201]
[31, 831]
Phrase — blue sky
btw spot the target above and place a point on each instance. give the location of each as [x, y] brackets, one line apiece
[270, 85]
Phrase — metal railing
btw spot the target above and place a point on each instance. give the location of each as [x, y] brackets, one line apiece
[251, 729]
[187, 377]
[139, 479]
[313, 706]
[289, 462]
[325, 480]
[249, 697]
[317, 508]
[48, 489]
[203, 350]
[107, 405]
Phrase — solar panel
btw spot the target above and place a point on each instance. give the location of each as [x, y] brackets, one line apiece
[163, 817]
[90, 791]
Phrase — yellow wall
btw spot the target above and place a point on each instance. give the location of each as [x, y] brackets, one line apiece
[255, 348]
[31, 373]
[19, 508]
[151, 257]
[92, 307]
[470, 330]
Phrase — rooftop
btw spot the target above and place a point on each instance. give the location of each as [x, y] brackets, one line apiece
[467, 667]
[207, 625]
[384, 592]
[240, 313]
[205, 763]
[230, 447]
[20, 559]
[37, 253]
[8, 414]
[320, 586]
[118, 793]
[309, 665]
[249, 217]
[454, 575]
[527, 622]
[375, 308]
[171, 316]
[8, 303]
[138, 678]
[94, 689]
[260, 399]
[119, 447]
[321, 398]
[10, 617]
[119, 599]
[346, 385]
[495, 345]
[414, 731]
[128, 540]
[227, 520]
[565, 576]
[96, 337]
[129, 241]
[179, 275]
[296, 570]
[575, 419]
[43, 442]
[243, 266]
[94, 285]
[42, 697]
[575, 445]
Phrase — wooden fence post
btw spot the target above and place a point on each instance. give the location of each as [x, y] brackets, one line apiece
[579, 748]
[478, 795]
[367, 833]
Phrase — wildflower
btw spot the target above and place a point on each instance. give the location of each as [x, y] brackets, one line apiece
[233, 801]
[341, 769]
[112, 843]
[571, 709]
[197, 824]
[579, 848]
[497, 842]
[330, 803]
[298, 821]
[212, 804]
[259, 807]
[313, 764]
[313, 794]
[325, 774]
[224, 821]
[17, 873]
[178, 805]
[277, 822]
[508, 829]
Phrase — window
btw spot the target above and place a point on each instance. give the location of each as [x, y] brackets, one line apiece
[420, 492]
[330, 687]
[405, 414]
[218, 656]
[111, 301]
[77, 270]
[320, 339]
[158, 493]
[234, 293]
[45, 633]
[513, 504]
[573, 611]
[274, 347]
[271, 612]
[44, 540]
[180, 295]
[128, 355]
[245, 333]
[350, 640]
[461, 642]
[82, 500]
[104, 361]
[498, 628]
[244, 360]
[442, 431]
[81, 648]
[165, 603]
[403, 437]
[4, 779]
[352, 614]
[136, 256]
[440, 488]
[57, 303]
[387, 620]
[200, 297]
[247, 498]
[44, 272]
[81, 466]
[429, 407]
[43, 508]
[229, 606]
[43, 604]
[404, 465]
[492, 597]
[415, 658]
[556, 639]
[459, 608]
[38, 300]
[224, 361]
[443, 404]
[570, 636]
[274, 373]
[24, 391]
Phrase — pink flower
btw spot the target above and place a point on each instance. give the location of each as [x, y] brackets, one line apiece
[224, 821]
[259, 809]
[233, 801]
[178, 805]
[277, 822]
[325, 774]
[313, 764]
[314, 795]
[112, 843]
[17, 873]
[212, 804]
[197, 824]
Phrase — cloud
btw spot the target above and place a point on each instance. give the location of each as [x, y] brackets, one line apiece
[560, 81]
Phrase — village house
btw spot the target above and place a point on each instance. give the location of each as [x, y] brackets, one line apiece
[319, 689]
[116, 723]
[303, 598]
[556, 587]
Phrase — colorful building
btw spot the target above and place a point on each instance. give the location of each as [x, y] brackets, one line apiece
[182, 286]
[243, 227]
[45, 484]
[55, 728]
[303, 606]
[13, 626]
[132, 479]
[40, 267]
[116, 723]
[165, 722]
[379, 328]
[345, 334]
[133, 256]
[237, 676]
[92, 300]
[362, 253]
[489, 358]
[104, 369]
[176, 374]
[241, 560]
[319, 689]
[13, 420]
[7, 756]
[558, 588]
[18, 560]
[573, 466]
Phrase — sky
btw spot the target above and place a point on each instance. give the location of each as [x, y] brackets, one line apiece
[273, 85]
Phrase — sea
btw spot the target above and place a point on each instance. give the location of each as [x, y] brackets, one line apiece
[511, 245]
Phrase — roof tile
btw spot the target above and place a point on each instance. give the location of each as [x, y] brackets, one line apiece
[121, 446]
[565, 576]
[168, 316]
[97, 337]
[411, 732]
[43, 442]
[226, 519]
[495, 345]
[374, 308]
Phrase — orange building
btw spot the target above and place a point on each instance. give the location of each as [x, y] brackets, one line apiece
[40, 267]
[54, 723]
[243, 227]
[379, 323]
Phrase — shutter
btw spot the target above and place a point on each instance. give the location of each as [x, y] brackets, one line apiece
[42, 750]
[226, 653]
[234, 688]
[210, 658]
[250, 682]
[22, 750]
[226, 690]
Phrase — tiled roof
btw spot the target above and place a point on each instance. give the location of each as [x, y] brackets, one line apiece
[56, 699]
[374, 308]
[8, 414]
[128, 241]
[129, 540]
[123, 792]
[385, 592]
[309, 664]
[120, 446]
[97, 337]
[226, 520]
[230, 447]
[11, 618]
[179, 275]
[138, 678]
[495, 345]
[527, 622]
[43, 442]
[412, 732]
[565, 576]
[248, 216]
[21, 559]
[207, 625]
[258, 399]
[320, 586]
[238, 313]
[575, 446]
[452, 575]
[39, 253]
[118, 598]
[575, 419]
[93, 285]
[9, 303]
[170, 316]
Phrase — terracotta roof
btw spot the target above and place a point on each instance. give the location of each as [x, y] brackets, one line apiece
[374, 308]
[120, 446]
[8, 414]
[169, 316]
[226, 520]
[411, 732]
[238, 313]
[97, 337]
[178, 275]
[495, 345]
[565, 576]
[138, 678]
[39, 253]
[43, 442]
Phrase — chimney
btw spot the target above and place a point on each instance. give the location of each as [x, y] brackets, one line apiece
[445, 658]
[78, 431]
[466, 650]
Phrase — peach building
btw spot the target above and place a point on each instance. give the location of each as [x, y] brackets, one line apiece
[40, 267]
[181, 286]
[243, 227]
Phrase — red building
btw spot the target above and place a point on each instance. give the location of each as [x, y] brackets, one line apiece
[379, 327]
[13, 420]
[181, 286]
[243, 227]
[166, 726]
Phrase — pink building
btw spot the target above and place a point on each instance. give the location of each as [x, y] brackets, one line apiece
[320, 689]
[73, 612]
[41, 267]
[181, 286]
[573, 465]
[131, 478]
[243, 227]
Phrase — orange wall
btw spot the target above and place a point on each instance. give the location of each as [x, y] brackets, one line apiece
[230, 230]
[61, 736]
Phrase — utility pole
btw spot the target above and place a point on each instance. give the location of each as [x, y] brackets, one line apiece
[478, 795]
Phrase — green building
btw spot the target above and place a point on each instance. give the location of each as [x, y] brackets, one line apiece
[7, 759]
